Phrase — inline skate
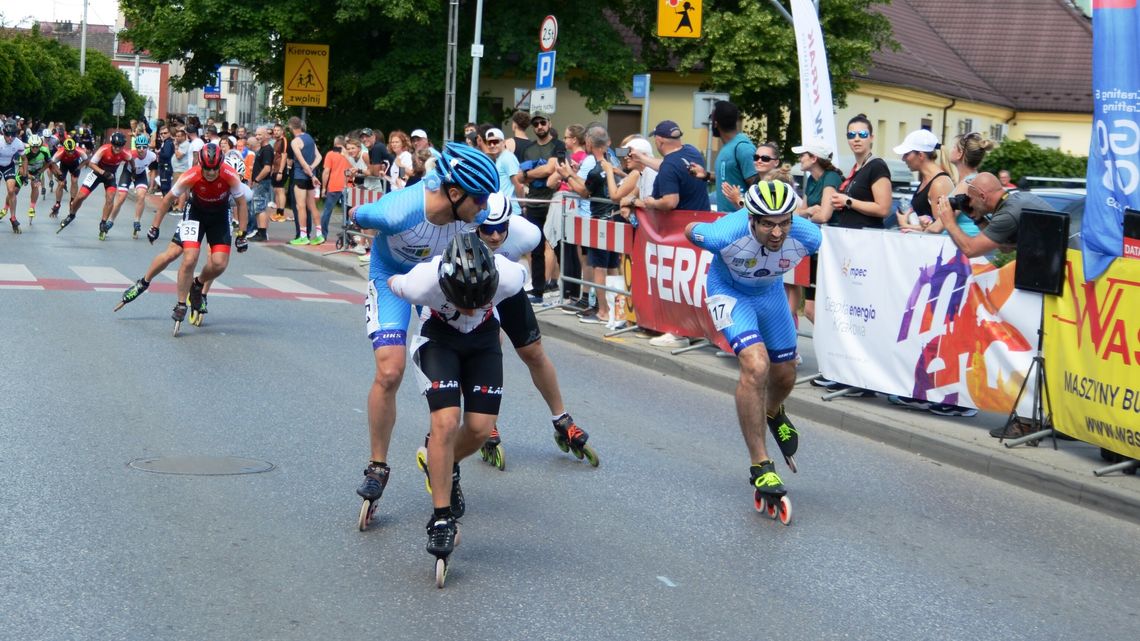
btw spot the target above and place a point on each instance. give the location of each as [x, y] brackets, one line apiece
[571, 438]
[492, 450]
[375, 480]
[786, 435]
[771, 495]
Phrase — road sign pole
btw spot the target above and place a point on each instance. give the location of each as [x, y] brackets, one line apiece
[476, 47]
[645, 107]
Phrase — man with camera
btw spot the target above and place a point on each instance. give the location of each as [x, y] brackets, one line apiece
[985, 199]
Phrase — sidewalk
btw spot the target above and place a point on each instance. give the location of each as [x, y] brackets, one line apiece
[1065, 473]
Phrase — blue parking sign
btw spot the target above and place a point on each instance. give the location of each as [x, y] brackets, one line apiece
[544, 78]
[640, 85]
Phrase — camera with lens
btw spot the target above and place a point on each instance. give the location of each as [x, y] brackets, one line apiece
[960, 202]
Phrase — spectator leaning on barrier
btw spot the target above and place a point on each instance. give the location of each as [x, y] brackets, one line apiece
[675, 187]
[333, 178]
[538, 162]
[378, 158]
[766, 160]
[400, 146]
[590, 181]
[987, 196]
[510, 176]
[638, 181]
[822, 181]
[919, 150]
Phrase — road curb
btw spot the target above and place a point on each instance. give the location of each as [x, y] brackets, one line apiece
[334, 262]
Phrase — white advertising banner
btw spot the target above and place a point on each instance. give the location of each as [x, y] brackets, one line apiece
[817, 113]
[909, 314]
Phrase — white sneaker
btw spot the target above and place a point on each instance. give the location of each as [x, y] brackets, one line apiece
[669, 340]
[359, 250]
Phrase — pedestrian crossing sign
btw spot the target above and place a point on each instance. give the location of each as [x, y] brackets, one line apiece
[679, 18]
[306, 75]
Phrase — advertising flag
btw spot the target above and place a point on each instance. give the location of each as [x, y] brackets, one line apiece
[817, 114]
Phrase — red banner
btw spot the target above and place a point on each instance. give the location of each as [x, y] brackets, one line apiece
[668, 279]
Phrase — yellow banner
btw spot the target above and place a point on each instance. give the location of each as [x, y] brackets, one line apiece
[1092, 356]
[306, 75]
[679, 18]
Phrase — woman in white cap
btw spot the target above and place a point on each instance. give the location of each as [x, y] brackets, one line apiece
[919, 150]
[823, 180]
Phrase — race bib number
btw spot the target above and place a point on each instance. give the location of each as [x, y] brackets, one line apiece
[371, 311]
[188, 230]
[89, 180]
[720, 308]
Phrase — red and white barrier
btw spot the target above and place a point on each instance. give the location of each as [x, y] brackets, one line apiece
[599, 234]
[360, 196]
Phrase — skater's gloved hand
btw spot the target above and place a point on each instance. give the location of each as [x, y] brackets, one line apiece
[241, 242]
[152, 234]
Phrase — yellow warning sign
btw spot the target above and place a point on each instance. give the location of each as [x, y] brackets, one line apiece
[679, 18]
[306, 75]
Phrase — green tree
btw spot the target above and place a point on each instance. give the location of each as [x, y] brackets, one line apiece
[1023, 158]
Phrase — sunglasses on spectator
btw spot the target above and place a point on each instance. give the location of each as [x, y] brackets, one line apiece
[762, 157]
[499, 228]
[862, 134]
[536, 123]
[494, 142]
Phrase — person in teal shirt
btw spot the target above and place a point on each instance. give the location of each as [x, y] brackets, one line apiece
[734, 162]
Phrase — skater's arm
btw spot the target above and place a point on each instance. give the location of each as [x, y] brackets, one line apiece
[163, 208]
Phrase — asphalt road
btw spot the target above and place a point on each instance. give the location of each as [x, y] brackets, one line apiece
[660, 542]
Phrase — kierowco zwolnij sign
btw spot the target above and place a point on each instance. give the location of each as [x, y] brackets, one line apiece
[306, 75]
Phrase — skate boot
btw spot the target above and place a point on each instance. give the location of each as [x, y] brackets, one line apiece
[458, 505]
[133, 292]
[770, 493]
[65, 222]
[571, 438]
[178, 316]
[375, 480]
[443, 535]
[492, 450]
[194, 300]
[31, 214]
[15, 224]
[104, 227]
[786, 435]
[54, 211]
[137, 229]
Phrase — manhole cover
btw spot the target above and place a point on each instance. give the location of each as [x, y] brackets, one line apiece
[201, 465]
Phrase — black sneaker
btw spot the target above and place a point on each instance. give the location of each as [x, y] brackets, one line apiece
[944, 409]
[1016, 429]
[589, 312]
[551, 286]
[256, 237]
[534, 300]
[574, 306]
[827, 384]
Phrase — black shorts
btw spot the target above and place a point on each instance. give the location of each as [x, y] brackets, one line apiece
[809, 291]
[8, 173]
[602, 258]
[462, 365]
[518, 320]
[213, 226]
[303, 183]
[94, 179]
[279, 180]
[130, 179]
[69, 169]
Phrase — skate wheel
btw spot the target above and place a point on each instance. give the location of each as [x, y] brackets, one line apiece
[759, 502]
[591, 455]
[177, 326]
[498, 459]
[785, 510]
[578, 454]
[440, 572]
[772, 509]
[365, 515]
[791, 461]
[340, 243]
[483, 454]
[562, 443]
[121, 304]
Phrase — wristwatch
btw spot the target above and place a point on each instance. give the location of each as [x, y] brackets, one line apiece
[847, 204]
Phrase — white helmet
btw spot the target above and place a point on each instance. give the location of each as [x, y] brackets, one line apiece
[498, 209]
[238, 165]
[34, 140]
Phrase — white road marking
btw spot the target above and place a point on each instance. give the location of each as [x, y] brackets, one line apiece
[19, 273]
[101, 275]
[322, 300]
[666, 581]
[172, 275]
[21, 287]
[282, 284]
[358, 286]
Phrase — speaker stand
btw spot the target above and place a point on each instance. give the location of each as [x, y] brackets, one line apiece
[1042, 418]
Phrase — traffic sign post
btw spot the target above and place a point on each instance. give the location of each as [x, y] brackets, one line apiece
[544, 78]
[306, 75]
[548, 33]
[641, 90]
[702, 114]
[118, 108]
[679, 18]
[543, 100]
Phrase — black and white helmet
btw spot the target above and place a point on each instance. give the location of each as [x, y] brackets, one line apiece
[467, 272]
[771, 198]
[498, 209]
[237, 164]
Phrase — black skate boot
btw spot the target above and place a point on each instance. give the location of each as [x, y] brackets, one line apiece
[137, 229]
[786, 435]
[492, 450]
[54, 211]
[194, 300]
[571, 438]
[178, 315]
[15, 224]
[65, 222]
[133, 292]
[104, 227]
[458, 505]
[375, 480]
[770, 493]
[443, 535]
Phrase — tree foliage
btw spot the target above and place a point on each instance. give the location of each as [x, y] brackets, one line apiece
[39, 78]
[387, 57]
[1023, 158]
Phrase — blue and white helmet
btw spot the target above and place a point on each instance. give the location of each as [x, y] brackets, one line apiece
[469, 169]
[498, 209]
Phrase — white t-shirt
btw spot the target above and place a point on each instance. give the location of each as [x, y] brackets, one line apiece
[181, 165]
[420, 286]
[196, 146]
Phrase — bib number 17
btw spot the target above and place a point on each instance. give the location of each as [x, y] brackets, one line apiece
[720, 309]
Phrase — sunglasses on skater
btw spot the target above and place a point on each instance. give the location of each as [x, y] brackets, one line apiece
[862, 134]
[498, 228]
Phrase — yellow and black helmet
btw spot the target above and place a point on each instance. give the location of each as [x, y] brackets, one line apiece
[771, 198]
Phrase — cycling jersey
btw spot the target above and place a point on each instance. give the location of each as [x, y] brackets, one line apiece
[37, 159]
[209, 194]
[68, 159]
[109, 160]
[420, 286]
[138, 164]
[10, 151]
[522, 237]
[743, 260]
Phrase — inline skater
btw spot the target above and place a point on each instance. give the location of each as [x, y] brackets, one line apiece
[68, 159]
[134, 175]
[209, 185]
[755, 246]
[13, 164]
[460, 357]
[38, 159]
[103, 163]
[514, 237]
[413, 224]
[238, 165]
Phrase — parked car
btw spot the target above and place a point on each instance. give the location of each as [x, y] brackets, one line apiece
[1069, 201]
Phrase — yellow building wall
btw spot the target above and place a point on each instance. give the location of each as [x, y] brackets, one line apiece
[1073, 130]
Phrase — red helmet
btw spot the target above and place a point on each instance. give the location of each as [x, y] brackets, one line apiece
[210, 157]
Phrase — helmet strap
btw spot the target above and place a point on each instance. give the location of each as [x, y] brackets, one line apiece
[454, 203]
